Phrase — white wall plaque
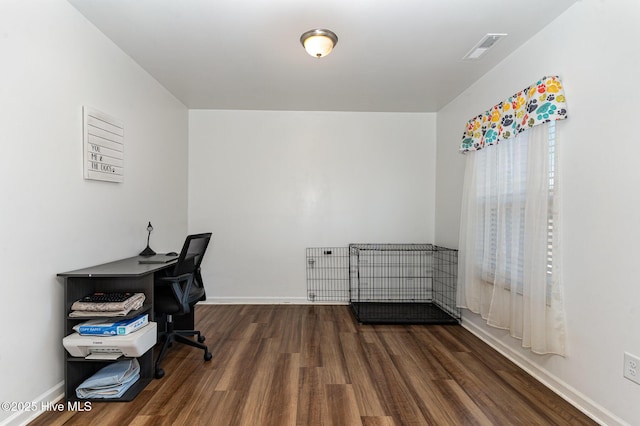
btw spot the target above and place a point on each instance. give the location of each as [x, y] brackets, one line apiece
[103, 146]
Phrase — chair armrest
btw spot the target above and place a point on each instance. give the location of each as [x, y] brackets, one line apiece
[177, 278]
[180, 292]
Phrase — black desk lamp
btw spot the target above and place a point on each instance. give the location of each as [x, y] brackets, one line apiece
[147, 251]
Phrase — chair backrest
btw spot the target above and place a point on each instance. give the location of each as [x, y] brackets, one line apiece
[192, 253]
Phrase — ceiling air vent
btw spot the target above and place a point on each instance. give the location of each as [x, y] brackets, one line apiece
[483, 45]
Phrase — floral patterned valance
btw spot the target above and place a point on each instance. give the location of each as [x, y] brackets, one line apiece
[539, 103]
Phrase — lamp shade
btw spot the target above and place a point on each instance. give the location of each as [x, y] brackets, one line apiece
[319, 43]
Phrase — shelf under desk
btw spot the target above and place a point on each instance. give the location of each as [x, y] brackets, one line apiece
[118, 276]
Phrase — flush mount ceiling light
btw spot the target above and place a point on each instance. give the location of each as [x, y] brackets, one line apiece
[319, 43]
[483, 45]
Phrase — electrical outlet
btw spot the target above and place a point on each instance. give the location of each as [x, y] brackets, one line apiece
[632, 367]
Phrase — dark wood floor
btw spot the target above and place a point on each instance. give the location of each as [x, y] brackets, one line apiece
[315, 365]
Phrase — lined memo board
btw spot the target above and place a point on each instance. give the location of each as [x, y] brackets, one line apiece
[103, 146]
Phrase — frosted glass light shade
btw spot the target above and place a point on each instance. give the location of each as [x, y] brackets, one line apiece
[319, 43]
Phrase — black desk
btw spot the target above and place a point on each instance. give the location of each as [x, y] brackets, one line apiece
[121, 275]
[130, 267]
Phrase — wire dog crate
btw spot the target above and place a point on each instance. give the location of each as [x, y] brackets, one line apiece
[403, 283]
[328, 274]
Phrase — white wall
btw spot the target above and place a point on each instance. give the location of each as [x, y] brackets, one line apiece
[51, 220]
[335, 178]
[593, 47]
[270, 184]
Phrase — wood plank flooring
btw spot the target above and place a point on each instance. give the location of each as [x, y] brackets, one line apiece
[315, 365]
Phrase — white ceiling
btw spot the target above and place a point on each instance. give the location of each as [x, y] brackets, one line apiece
[392, 55]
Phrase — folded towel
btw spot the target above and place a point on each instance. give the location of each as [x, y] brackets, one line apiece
[136, 300]
[111, 381]
[81, 314]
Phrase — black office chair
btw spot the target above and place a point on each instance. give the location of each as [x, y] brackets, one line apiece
[177, 293]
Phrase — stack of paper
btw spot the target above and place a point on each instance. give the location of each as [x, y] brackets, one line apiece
[107, 327]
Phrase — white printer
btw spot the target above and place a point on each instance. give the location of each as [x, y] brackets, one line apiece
[130, 345]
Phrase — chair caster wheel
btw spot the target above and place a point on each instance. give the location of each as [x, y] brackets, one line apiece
[207, 356]
[201, 338]
[159, 373]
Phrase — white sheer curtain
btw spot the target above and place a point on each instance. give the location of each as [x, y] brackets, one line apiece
[508, 251]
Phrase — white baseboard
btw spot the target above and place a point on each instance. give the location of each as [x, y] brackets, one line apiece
[265, 301]
[39, 404]
[589, 407]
